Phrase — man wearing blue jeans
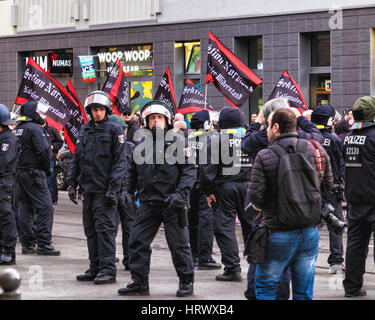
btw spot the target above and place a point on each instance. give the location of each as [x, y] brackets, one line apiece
[287, 246]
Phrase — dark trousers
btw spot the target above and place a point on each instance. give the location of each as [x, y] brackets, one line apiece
[8, 230]
[360, 227]
[52, 184]
[143, 233]
[100, 229]
[335, 241]
[206, 230]
[193, 217]
[126, 215]
[230, 202]
[36, 199]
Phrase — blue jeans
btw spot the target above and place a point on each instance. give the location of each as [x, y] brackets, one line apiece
[297, 248]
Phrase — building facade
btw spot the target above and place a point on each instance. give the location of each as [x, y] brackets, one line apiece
[329, 50]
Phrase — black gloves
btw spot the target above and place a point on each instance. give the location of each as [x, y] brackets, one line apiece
[72, 194]
[178, 200]
[111, 198]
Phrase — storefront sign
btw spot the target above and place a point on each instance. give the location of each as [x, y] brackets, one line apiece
[88, 68]
[60, 62]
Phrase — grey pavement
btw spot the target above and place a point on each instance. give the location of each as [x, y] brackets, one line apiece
[45, 278]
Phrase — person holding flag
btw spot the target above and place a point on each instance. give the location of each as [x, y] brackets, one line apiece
[32, 171]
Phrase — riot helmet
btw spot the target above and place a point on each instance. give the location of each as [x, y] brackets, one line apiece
[157, 106]
[98, 99]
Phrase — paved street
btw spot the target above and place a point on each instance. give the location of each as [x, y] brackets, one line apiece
[54, 277]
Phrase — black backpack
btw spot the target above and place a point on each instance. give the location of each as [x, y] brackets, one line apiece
[299, 187]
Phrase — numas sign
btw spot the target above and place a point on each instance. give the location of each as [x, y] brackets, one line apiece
[55, 62]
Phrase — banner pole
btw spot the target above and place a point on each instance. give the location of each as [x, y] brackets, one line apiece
[205, 96]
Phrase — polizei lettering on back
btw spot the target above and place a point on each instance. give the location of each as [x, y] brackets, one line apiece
[360, 140]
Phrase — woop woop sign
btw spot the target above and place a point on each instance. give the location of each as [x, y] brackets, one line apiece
[39, 86]
[229, 75]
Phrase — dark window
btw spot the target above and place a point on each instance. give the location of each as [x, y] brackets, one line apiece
[320, 50]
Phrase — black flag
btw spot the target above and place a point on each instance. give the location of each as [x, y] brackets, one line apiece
[165, 91]
[192, 99]
[287, 88]
[37, 85]
[229, 75]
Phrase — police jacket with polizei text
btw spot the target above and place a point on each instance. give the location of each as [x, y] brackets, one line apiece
[155, 181]
[333, 145]
[9, 152]
[35, 147]
[263, 188]
[359, 156]
[256, 139]
[99, 162]
[219, 170]
[197, 143]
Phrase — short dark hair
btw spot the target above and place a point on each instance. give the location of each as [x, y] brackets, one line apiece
[286, 119]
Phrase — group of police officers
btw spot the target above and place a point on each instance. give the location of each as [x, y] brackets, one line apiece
[203, 195]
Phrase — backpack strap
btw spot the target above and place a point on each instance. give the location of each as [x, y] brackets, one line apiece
[318, 156]
[279, 150]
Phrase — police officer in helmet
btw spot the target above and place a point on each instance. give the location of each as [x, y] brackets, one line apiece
[32, 171]
[164, 190]
[98, 168]
[9, 151]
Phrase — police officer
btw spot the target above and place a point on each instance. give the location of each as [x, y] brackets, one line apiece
[323, 116]
[224, 185]
[9, 151]
[359, 156]
[98, 168]
[126, 207]
[201, 227]
[164, 187]
[32, 171]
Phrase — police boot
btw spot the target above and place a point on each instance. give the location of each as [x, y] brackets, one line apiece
[8, 258]
[89, 275]
[209, 265]
[104, 278]
[135, 288]
[185, 288]
[29, 249]
[47, 250]
[234, 276]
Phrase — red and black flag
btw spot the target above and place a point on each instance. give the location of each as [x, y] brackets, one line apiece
[165, 91]
[117, 87]
[192, 99]
[287, 88]
[37, 85]
[229, 75]
[77, 120]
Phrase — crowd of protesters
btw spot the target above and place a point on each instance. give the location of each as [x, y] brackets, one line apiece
[199, 198]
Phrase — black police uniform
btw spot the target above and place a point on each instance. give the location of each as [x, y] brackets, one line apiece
[9, 152]
[32, 170]
[201, 226]
[332, 144]
[359, 156]
[98, 168]
[127, 211]
[157, 184]
[229, 188]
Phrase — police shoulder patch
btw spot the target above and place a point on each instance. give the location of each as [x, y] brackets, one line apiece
[5, 147]
[121, 138]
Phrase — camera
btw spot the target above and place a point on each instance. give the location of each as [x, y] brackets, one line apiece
[339, 189]
[327, 214]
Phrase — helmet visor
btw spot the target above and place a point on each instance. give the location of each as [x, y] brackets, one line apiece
[98, 99]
